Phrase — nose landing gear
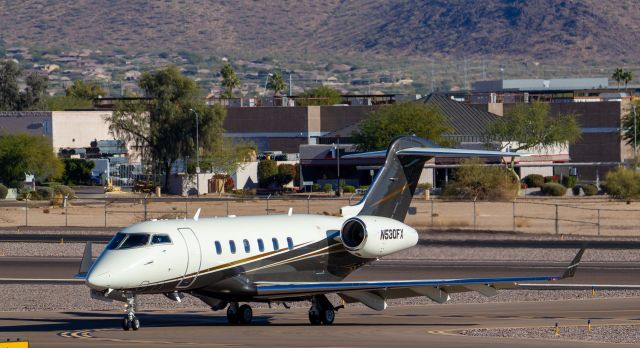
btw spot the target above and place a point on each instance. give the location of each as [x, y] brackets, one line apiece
[130, 321]
[321, 311]
[239, 314]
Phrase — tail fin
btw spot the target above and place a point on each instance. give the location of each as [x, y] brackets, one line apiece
[391, 191]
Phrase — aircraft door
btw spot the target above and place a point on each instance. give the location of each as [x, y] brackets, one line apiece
[194, 257]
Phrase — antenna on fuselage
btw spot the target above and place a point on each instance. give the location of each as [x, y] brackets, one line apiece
[197, 216]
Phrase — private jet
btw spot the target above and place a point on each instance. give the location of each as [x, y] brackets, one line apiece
[229, 262]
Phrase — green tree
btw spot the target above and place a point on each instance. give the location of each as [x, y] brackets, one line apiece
[473, 181]
[321, 95]
[9, 91]
[85, 90]
[276, 83]
[389, 121]
[618, 76]
[531, 125]
[34, 95]
[623, 183]
[24, 153]
[163, 129]
[65, 102]
[77, 171]
[229, 80]
[267, 172]
[627, 76]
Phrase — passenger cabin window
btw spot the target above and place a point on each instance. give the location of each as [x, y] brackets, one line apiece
[260, 245]
[232, 246]
[128, 240]
[160, 239]
[247, 247]
[218, 248]
[275, 244]
[290, 243]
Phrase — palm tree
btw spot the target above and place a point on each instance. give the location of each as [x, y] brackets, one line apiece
[627, 77]
[276, 83]
[229, 80]
[617, 75]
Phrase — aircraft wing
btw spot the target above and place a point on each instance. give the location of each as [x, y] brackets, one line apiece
[374, 293]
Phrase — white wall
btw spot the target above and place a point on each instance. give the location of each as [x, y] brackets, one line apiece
[246, 177]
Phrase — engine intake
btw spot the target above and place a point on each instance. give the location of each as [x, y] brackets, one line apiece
[375, 236]
[354, 233]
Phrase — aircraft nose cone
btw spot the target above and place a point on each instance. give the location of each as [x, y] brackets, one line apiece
[98, 281]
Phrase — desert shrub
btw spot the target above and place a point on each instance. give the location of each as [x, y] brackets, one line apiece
[27, 192]
[327, 188]
[569, 181]
[623, 183]
[553, 189]
[315, 187]
[286, 173]
[348, 189]
[64, 191]
[267, 170]
[363, 187]
[3, 191]
[590, 189]
[475, 182]
[552, 178]
[45, 193]
[425, 186]
[534, 180]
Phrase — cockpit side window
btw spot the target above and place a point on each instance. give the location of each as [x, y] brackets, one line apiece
[116, 240]
[134, 240]
[160, 239]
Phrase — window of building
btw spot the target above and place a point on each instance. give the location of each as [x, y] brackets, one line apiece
[232, 246]
[290, 243]
[247, 247]
[218, 248]
[275, 244]
[260, 245]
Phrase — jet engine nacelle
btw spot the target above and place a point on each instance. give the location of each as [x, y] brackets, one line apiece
[375, 236]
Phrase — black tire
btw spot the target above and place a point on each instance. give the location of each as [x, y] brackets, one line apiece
[328, 316]
[135, 324]
[314, 318]
[245, 314]
[126, 324]
[232, 316]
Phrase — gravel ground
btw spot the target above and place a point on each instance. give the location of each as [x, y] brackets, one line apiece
[415, 253]
[605, 333]
[45, 297]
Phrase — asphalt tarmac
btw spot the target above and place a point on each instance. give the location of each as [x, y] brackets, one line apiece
[400, 326]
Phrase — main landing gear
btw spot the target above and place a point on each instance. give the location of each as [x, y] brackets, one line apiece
[322, 311]
[239, 314]
[130, 321]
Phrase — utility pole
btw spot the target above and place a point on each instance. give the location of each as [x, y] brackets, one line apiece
[290, 85]
[635, 135]
[197, 155]
[432, 82]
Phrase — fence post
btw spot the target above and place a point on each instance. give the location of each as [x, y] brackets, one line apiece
[557, 222]
[269, 196]
[598, 222]
[474, 216]
[105, 211]
[308, 208]
[227, 206]
[66, 210]
[432, 212]
[26, 210]
[145, 208]
[514, 216]
[186, 207]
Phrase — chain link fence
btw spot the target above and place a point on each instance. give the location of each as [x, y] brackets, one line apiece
[562, 216]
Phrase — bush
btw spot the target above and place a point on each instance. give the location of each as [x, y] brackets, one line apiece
[26, 192]
[286, 173]
[569, 181]
[327, 188]
[552, 178]
[315, 187]
[590, 190]
[553, 189]
[77, 171]
[425, 186]
[44, 193]
[348, 189]
[64, 191]
[476, 182]
[267, 170]
[3, 191]
[623, 183]
[534, 180]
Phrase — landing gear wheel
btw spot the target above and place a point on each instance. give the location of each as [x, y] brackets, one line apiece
[126, 324]
[327, 316]
[245, 314]
[314, 318]
[232, 313]
[135, 324]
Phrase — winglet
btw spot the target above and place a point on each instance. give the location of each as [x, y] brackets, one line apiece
[197, 215]
[570, 271]
[85, 264]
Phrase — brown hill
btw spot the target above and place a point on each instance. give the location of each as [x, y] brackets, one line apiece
[555, 30]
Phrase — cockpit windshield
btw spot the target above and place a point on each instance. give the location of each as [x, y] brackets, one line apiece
[128, 240]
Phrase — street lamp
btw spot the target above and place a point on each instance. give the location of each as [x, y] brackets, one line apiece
[197, 155]
[635, 136]
[265, 82]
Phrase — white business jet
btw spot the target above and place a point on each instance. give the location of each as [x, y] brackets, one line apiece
[282, 258]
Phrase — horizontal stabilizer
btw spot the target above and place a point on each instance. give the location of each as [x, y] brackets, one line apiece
[438, 152]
